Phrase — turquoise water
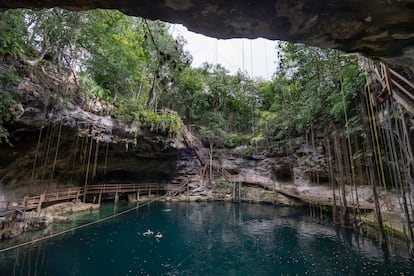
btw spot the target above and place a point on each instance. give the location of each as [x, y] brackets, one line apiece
[205, 239]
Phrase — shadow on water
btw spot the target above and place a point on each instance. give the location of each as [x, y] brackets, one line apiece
[206, 239]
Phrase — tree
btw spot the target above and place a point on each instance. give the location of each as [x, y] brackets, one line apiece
[116, 56]
[13, 33]
[306, 90]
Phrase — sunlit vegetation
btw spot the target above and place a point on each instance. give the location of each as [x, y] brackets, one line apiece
[135, 67]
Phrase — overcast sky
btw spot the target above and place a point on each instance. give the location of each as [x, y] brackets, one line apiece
[233, 54]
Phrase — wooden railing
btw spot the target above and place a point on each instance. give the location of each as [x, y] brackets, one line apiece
[397, 86]
[30, 202]
[69, 193]
[225, 173]
[400, 83]
[202, 154]
[194, 143]
[125, 188]
[62, 194]
[204, 158]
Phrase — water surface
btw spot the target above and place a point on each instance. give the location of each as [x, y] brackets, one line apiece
[205, 239]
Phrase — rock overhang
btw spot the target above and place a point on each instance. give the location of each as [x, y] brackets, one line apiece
[378, 29]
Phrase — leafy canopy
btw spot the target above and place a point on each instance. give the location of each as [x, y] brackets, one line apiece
[137, 67]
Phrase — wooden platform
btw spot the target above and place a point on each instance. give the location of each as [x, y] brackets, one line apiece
[35, 202]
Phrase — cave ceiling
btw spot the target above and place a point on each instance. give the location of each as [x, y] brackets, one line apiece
[378, 29]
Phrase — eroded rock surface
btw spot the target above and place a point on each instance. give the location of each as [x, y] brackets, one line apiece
[60, 140]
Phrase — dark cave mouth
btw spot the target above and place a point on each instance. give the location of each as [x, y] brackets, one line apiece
[283, 174]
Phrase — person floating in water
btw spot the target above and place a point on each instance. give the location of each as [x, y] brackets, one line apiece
[159, 235]
[148, 233]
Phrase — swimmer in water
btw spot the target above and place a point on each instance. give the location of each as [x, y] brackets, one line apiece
[148, 233]
[159, 235]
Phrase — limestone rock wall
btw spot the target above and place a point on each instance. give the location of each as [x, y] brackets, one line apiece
[298, 164]
[60, 140]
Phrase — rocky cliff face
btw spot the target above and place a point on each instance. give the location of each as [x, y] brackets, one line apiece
[381, 29]
[290, 171]
[295, 164]
[59, 139]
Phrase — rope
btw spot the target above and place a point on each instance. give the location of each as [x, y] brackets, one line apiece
[350, 150]
[216, 50]
[188, 257]
[243, 54]
[251, 58]
[201, 245]
[79, 227]
[151, 36]
[267, 71]
[374, 134]
[35, 159]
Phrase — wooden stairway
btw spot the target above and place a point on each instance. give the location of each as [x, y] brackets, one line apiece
[396, 85]
[202, 154]
[204, 157]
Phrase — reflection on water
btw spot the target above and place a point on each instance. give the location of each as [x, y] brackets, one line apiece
[206, 239]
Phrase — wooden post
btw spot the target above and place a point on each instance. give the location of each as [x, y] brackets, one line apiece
[39, 204]
[234, 190]
[239, 195]
[116, 197]
[87, 169]
[25, 206]
[100, 196]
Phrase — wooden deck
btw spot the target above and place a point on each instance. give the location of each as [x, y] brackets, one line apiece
[35, 202]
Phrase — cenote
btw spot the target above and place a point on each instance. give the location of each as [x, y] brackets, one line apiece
[206, 239]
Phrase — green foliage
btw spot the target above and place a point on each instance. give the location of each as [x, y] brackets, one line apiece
[88, 84]
[236, 139]
[117, 57]
[7, 100]
[8, 84]
[165, 122]
[245, 151]
[4, 135]
[131, 112]
[12, 33]
[222, 184]
[222, 105]
[309, 90]
[244, 192]
[137, 67]
[189, 96]
[257, 139]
